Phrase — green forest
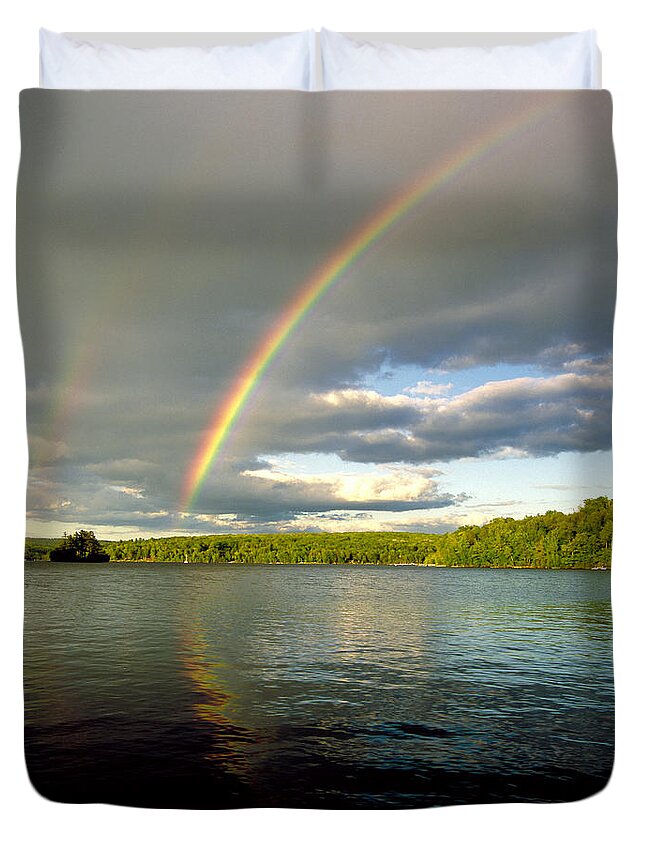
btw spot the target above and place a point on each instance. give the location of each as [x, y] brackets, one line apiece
[577, 540]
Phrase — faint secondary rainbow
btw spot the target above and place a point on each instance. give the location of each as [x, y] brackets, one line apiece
[319, 283]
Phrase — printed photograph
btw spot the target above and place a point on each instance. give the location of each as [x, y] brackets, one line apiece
[319, 386]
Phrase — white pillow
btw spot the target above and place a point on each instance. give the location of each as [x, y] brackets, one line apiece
[286, 62]
[566, 62]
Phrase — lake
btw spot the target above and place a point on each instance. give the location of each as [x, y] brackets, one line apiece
[345, 687]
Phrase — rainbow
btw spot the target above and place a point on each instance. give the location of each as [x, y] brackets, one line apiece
[331, 271]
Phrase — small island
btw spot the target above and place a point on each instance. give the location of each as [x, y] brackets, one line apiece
[79, 547]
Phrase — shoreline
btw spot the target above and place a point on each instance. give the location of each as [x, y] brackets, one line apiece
[326, 565]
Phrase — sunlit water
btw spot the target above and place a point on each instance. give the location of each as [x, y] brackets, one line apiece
[316, 686]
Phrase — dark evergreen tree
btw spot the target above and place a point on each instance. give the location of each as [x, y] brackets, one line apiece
[79, 547]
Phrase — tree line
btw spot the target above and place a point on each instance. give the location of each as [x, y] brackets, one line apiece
[581, 539]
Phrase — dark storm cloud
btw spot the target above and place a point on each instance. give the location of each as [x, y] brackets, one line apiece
[441, 292]
[458, 311]
[158, 243]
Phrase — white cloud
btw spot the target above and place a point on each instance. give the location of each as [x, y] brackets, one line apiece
[128, 490]
[508, 452]
[430, 389]
[392, 483]
[363, 397]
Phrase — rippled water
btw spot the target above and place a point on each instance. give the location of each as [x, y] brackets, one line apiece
[316, 686]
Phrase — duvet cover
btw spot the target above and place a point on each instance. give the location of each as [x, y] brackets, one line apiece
[319, 413]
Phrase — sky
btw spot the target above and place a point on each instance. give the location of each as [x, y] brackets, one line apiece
[458, 370]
